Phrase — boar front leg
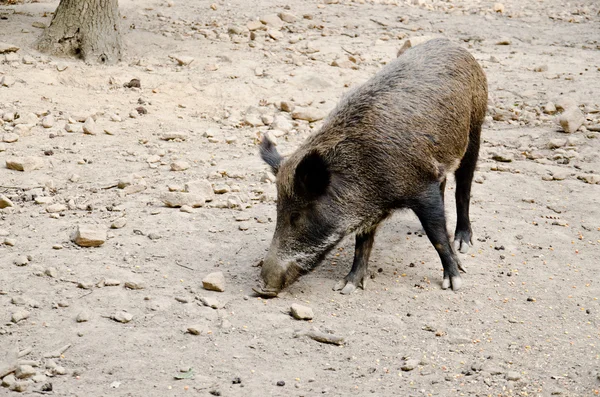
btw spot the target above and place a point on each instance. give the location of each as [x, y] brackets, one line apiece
[430, 210]
[358, 273]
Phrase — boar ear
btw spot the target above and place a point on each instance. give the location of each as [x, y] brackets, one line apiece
[270, 155]
[312, 175]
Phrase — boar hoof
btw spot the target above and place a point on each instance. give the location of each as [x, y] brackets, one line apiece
[346, 287]
[265, 293]
[455, 282]
[461, 245]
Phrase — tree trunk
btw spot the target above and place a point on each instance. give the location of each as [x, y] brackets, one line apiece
[88, 29]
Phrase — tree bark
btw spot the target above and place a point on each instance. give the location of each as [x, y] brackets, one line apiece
[87, 29]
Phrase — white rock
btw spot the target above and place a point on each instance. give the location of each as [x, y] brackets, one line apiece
[179, 199]
[5, 202]
[499, 7]
[10, 137]
[202, 188]
[409, 365]
[282, 123]
[275, 34]
[571, 119]
[268, 177]
[122, 317]
[180, 165]
[272, 20]
[118, 223]
[48, 121]
[24, 163]
[87, 236]
[198, 329]
[7, 81]
[214, 282]
[89, 127]
[24, 371]
[56, 208]
[6, 48]
[19, 315]
[565, 103]
[2, 147]
[83, 316]
[211, 302]
[254, 25]
[287, 17]
[556, 143]
[308, 114]
[182, 60]
[300, 312]
[549, 108]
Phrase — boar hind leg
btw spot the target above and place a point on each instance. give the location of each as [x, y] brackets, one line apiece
[358, 273]
[430, 210]
[463, 236]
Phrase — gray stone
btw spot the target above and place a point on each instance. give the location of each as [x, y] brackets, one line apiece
[21, 261]
[86, 236]
[513, 375]
[198, 329]
[592, 179]
[24, 371]
[409, 365]
[300, 312]
[19, 315]
[118, 223]
[8, 380]
[135, 284]
[214, 282]
[556, 143]
[83, 316]
[211, 302]
[174, 136]
[122, 317]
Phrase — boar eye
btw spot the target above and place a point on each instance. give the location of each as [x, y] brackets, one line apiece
[294, 216]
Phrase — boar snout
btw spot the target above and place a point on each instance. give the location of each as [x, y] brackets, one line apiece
[276, 275]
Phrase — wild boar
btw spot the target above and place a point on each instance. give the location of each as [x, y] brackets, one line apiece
[389, 144]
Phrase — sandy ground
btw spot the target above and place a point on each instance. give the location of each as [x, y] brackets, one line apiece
[526, 323]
